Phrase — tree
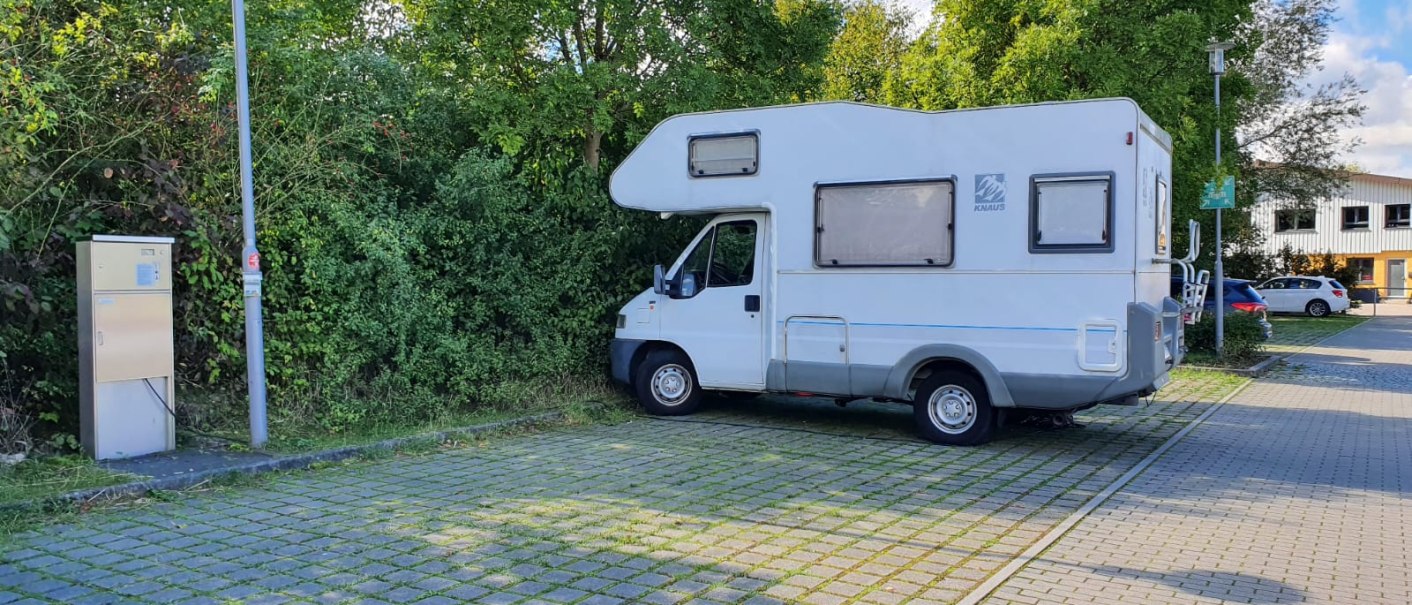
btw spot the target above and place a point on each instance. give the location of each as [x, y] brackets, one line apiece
[1289, 132]
[868, 48]
[1015, 51]
[542, 73]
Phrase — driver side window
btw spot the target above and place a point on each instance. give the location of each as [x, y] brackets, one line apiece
[723, 258]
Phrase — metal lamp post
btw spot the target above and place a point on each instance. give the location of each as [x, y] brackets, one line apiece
[251, 276]
[1218, 67]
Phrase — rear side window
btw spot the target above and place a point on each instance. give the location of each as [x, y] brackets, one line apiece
[884, 224]
[1336, 285]
[1163, 216]
[1245, 292]
[1071, 213]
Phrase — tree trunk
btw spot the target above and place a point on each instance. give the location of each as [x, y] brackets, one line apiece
[592, 147]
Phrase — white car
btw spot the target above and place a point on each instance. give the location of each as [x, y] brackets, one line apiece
[1317, 296]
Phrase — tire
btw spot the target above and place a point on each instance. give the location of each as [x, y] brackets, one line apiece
[1317, 308]
[953, 408]
[666, 384]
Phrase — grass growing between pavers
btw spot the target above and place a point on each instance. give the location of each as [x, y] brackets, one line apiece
[727, 509]
[45, 478]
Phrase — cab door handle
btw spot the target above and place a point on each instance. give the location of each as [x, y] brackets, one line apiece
[752, 303]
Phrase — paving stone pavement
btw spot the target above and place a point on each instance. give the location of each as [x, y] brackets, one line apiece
[1299, 490]
[749, 502]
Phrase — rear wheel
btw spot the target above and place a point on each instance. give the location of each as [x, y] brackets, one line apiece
[953, 408]
[666, 384]
[1317, 308]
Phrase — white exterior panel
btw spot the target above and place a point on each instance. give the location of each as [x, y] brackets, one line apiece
[1328, 235]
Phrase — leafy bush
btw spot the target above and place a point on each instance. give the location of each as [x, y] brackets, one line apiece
[1245, 337]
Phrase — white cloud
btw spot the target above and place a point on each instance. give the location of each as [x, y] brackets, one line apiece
[1387, 124]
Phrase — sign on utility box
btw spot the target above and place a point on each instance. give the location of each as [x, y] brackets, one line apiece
[126, 372]
[1223, 198]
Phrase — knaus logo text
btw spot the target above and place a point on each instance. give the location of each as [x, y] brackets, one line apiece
[990, 192]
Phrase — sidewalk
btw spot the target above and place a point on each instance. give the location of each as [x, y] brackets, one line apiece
[1299, 490]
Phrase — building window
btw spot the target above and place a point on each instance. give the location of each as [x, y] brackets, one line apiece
[724, 155]
[1365, 269]
[882, 224]
[1294, 220]
[1071, 213]
[1355, 217]
[1399, 216]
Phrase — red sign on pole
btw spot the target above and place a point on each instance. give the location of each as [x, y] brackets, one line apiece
[253, 261]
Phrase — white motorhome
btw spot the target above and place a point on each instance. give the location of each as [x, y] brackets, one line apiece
[962, 261]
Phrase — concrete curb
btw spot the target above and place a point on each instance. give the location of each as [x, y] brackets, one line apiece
[292, 462]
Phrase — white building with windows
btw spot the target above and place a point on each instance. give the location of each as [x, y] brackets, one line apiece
[1368, 226]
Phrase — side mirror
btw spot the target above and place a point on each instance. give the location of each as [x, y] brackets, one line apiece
[687, 288]
[659, 280]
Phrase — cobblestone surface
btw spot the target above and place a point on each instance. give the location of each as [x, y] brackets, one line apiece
[1297, 491]
[750, 502]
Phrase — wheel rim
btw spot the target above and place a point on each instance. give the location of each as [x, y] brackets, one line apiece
[671, 384]
[1319, 308]
[952, 409]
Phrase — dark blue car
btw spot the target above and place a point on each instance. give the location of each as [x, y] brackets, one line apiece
[1239, 297]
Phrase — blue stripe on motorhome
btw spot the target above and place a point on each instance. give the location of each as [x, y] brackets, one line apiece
[948, 327]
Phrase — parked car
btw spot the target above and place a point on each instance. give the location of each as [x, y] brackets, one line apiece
[1239, 297]
[1317, 296]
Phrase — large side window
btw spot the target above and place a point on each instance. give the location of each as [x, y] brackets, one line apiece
[725, 257]
[1071, 213]
[881, 224]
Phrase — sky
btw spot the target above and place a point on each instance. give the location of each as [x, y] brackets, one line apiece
[1372, 40]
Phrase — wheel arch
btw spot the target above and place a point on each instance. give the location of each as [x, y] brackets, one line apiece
[923, 361]
[652, 346]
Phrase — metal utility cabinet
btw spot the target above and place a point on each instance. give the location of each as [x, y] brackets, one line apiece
[125, 341]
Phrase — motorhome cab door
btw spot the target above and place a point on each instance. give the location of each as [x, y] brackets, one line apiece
[717, 315]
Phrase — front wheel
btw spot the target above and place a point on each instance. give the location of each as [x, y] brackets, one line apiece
[953, 408]
[1317, 308]
[666, 384]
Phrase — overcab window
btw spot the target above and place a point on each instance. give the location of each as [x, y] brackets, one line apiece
[724, 155]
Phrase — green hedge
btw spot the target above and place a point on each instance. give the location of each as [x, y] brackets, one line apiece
[1245, 337]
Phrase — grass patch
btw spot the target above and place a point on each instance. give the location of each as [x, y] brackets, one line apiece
[49, 476]
[581, 403]
[1202, 384]
[1293, 332]
[1210, 360]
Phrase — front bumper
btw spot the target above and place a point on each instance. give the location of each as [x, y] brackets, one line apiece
[621, 353]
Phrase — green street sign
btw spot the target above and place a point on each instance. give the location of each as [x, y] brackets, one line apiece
[1222, 199]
